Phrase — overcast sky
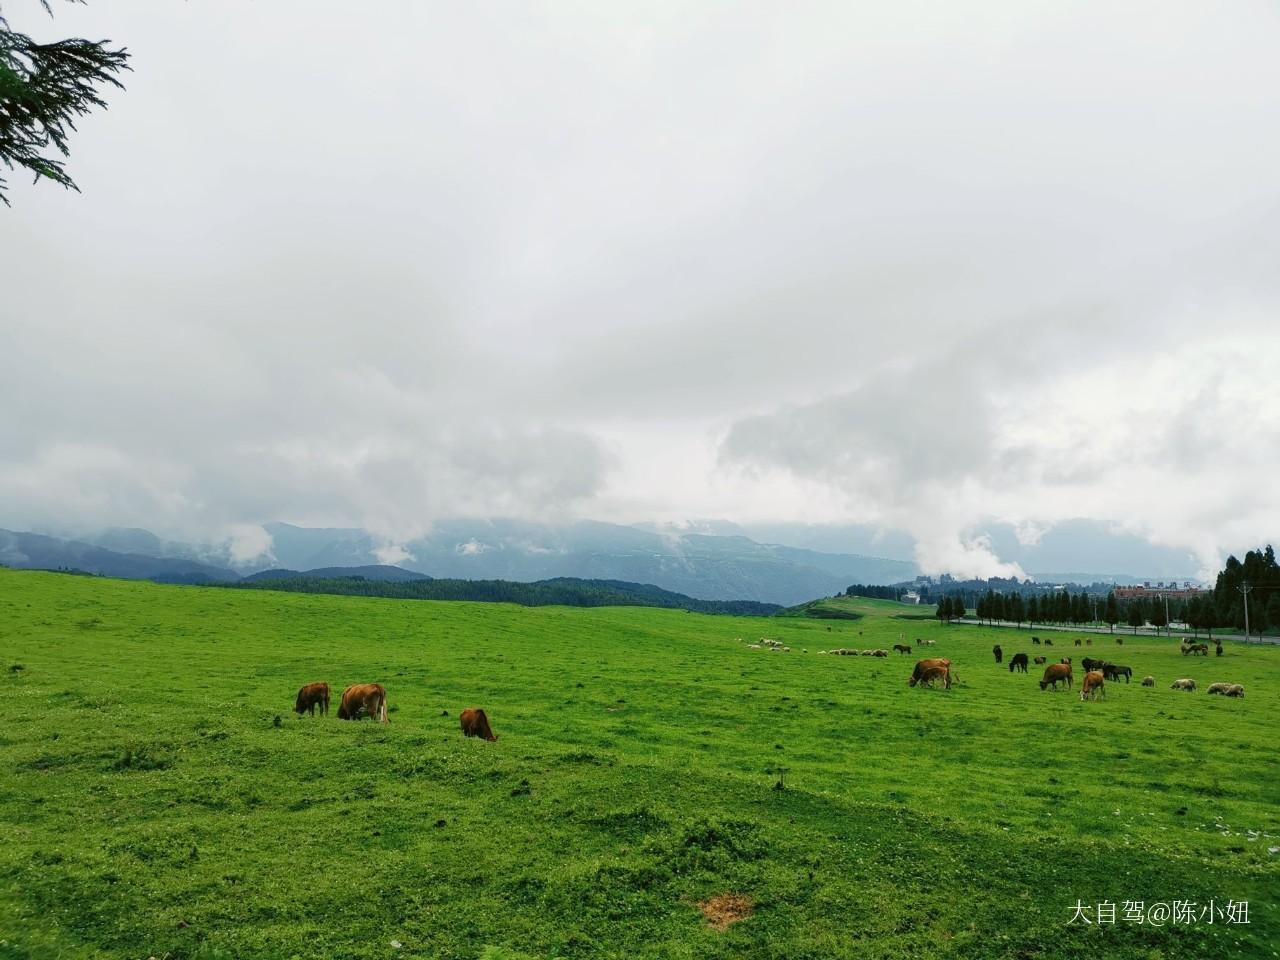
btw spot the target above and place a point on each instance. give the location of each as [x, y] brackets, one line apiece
[921, 265]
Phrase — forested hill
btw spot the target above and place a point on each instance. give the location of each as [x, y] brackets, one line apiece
[562, 591]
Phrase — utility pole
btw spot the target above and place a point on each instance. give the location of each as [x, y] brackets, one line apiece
[1166, 615]
[1245, 588]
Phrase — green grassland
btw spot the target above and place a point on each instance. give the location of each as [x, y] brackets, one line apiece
[159, 798]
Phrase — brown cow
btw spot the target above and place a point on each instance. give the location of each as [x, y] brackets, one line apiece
[476, 724]
[902, 647]
[1040, 660]
[311, 696]
[368, 697]
[1094, 686]
[923, 666]
[1055, 672]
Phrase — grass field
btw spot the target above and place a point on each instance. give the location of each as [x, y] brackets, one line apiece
[159, 798]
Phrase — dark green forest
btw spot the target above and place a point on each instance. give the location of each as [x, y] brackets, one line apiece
[561, 591]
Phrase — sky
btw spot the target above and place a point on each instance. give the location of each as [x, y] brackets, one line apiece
[922, 267]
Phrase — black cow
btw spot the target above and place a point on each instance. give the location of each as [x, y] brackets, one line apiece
[1018, 662]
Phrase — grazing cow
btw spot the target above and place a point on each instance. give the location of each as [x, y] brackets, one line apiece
[1219, 649]
[1218, 688]
[369, 698]
[879, 653]
[1093, 686]
[1198, 649]
[998, 652]
[923, 666]
[1089, 663]
[1114, 671]
[1036, 641]
[311, 696]
[1077, 641]
[1048, 642]
[1186, 684]
[1055, 672]
[1120, 641]
[1148, 681]
[902, 647]
[476, 724]
[1040, 660]
[1088, 641]
[1235, 690]
[1018, 662]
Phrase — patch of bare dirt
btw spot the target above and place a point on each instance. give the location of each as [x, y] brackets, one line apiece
[726, 908]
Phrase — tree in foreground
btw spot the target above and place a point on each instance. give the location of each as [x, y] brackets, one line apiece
[1111, 612]
[44, 87]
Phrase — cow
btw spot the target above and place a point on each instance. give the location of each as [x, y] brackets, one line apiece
[476, 724]
[1235, 690]
[1036, 641]
[1198, 649]
[879, 653]
[1148, 681]
[1114, 671]
[1088, 641]
[1093, 686]
[1219, 648]
[923, 666]
[1056, 672]
[1186, 683]
[1040, 660]
[1018, 662]
[370, 698]
[998, 653]
[311, 696]
[1065, 660]
[1048, 642]
[1218, 688]
[1089, 663]
[1119, 641]
[1077, 641]
[902, 648]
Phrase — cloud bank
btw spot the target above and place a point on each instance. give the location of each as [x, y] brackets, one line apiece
[895, 264]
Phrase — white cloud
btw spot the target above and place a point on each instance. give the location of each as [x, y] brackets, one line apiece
[889, 263]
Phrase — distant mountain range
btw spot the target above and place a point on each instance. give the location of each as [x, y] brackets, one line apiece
[698, 565]
[707, 559]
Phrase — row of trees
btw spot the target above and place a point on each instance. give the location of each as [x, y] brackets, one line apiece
[876, 592]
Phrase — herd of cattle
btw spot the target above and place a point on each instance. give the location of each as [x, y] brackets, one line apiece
[370, 700]
[1098, 671]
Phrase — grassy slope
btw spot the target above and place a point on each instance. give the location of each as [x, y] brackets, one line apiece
[150, 806]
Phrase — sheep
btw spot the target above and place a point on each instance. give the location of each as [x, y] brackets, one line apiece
[1148, 681]
[1186, 683]
[1235, 690]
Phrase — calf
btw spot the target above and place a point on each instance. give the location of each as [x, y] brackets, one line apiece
[476, 724]
[1018, 662]
[310, 697]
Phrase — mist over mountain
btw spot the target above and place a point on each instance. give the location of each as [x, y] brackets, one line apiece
[707, 559]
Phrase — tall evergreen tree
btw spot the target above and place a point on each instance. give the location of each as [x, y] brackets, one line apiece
[1136, 616]
[44, 87]
[1111, 611]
